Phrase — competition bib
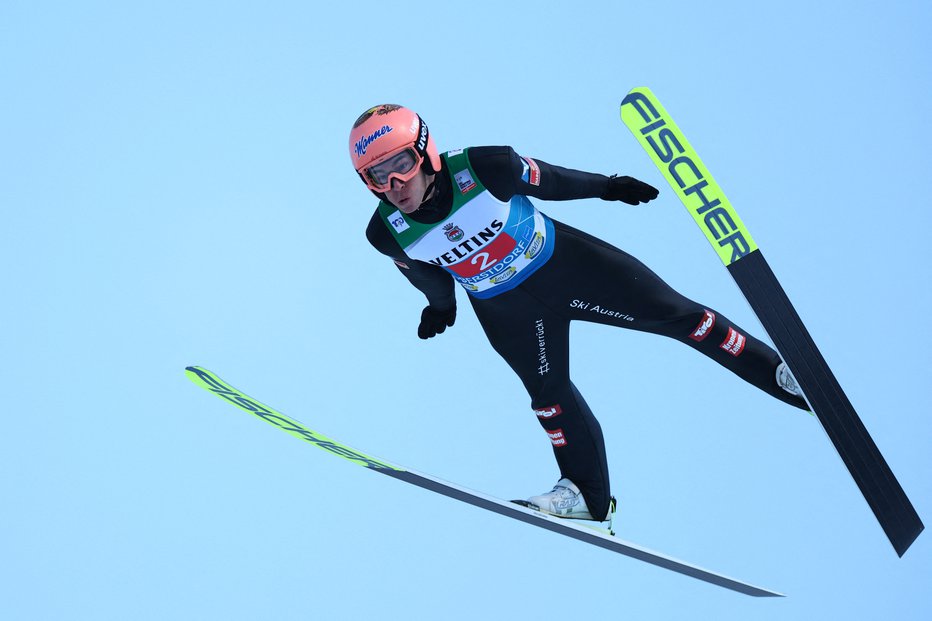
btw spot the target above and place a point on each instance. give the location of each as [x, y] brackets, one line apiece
[488, 246]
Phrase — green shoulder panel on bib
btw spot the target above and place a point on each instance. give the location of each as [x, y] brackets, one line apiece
[466, 186]
[405, 230]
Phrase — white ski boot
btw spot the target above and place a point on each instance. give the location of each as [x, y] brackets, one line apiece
[786, 381]
[565, 501]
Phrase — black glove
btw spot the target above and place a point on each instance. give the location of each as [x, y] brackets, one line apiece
[628, 190]
[434, 321]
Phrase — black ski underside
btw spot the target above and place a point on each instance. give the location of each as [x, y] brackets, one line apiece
[854, 444]
[577, 532]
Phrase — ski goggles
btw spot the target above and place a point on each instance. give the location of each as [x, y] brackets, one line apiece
[401, 165]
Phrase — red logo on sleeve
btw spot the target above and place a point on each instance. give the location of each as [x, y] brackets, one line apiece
[531, 173]
[534, 172]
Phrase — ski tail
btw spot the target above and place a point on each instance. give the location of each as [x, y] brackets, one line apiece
[870, 471]
[679, 163]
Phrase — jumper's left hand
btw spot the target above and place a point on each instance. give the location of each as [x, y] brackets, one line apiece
[628, 190]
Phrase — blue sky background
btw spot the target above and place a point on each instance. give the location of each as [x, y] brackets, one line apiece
[175, 189]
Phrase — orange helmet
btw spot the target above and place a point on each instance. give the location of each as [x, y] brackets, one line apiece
[391, 142]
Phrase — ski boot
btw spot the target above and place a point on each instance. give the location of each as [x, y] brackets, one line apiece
[566, 501]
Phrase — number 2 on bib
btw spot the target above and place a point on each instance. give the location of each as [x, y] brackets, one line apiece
[486, 262]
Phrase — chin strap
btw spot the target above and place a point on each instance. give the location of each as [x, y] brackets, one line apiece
[428, 191]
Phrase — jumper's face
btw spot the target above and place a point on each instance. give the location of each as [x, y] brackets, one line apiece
[407, 195]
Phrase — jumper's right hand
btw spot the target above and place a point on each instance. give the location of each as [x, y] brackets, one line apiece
[434, 322]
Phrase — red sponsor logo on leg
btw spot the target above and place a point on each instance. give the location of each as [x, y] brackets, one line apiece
[556, 437]
[705, 326]
[549, 412]
[734, 342]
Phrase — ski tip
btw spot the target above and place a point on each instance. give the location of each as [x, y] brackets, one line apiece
[636, 90]
[199, 375]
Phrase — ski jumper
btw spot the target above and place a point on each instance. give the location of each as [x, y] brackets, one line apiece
[528, 276]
